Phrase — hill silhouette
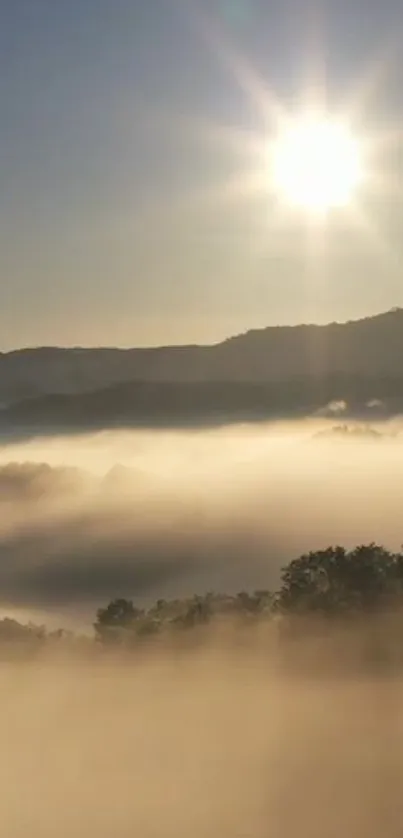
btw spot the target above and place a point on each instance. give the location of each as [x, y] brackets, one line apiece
[199, 403]
[278, 371]
[373, 345]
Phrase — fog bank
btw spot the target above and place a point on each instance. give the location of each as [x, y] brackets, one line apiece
[149, 514]
[207, 744]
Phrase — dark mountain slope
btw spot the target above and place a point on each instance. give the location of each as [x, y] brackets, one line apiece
[200, 403]
[369, 347]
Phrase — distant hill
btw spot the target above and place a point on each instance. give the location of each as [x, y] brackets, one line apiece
[372, 346]
[355, 433]
[165, 404]
[274, 372]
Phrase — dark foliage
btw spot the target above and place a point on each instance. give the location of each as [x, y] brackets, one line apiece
[336, 581]
[332, 584]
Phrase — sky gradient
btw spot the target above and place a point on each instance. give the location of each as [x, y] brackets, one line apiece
[121, 130]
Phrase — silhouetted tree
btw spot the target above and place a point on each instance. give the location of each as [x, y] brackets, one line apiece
[119, 616]
[335, 581]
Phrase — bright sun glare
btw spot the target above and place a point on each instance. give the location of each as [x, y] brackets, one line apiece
[317, 165]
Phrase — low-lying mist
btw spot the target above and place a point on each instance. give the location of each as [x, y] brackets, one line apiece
[210, 743]
[148, 514]
[217, 734]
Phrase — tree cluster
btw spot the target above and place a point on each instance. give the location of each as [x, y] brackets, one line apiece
[338, 582]
[329, 584]
[334, 582]
[120, 620]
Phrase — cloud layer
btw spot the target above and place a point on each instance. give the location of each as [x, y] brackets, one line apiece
[147, 514]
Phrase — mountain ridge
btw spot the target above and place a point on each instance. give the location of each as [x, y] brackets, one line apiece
[80, 349]
[368, 347]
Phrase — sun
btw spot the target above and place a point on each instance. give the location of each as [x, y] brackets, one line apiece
[316, 165]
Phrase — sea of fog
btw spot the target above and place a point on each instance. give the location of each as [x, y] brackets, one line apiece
[149, 514]
[216, 740]
[208, 745]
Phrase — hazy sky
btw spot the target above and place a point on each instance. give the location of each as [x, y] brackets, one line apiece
[115, 224]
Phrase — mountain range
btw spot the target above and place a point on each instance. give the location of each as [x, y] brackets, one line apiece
[279, 370]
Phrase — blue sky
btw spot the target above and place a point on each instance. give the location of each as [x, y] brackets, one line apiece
[109, 147]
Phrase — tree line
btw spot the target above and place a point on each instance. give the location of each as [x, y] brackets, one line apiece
[331, 584]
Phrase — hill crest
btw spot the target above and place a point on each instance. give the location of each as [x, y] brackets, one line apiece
[371, 346]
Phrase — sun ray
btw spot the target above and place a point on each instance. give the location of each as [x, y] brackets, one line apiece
[374, 77]
[313, 87]
[360, 222]
[236, 64]
[334, 182]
